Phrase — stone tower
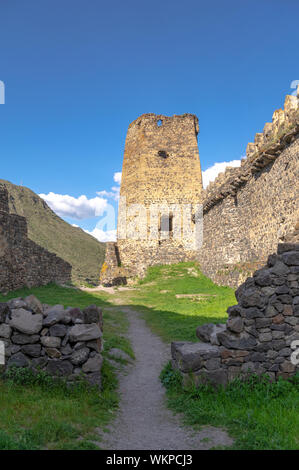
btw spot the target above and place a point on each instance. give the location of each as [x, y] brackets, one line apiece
[161, 170]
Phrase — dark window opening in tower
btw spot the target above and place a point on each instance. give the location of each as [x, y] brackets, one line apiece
[159, 122]
[163, 154]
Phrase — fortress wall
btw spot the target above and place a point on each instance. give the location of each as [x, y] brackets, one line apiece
[23, 263]
[248, 210]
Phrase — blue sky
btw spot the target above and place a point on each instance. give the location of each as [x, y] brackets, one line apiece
[77, 72]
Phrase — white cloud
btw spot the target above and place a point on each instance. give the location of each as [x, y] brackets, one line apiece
[211, 173]
[114, 192]
[101, 236]
[76, 208]
[117, 177]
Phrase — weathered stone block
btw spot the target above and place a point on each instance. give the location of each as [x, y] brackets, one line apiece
[26, 322]
[191, 356]
[88, 332]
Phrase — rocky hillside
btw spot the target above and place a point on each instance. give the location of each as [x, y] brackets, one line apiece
[45, 228]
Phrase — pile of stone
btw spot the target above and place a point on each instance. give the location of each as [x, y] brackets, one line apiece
[63, 342]
[261, 335]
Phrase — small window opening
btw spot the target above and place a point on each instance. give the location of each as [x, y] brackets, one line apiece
[163, 154]
[166, 223]
[159, 122]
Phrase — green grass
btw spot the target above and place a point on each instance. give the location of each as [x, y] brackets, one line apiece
[48, 414]
[257, 414]
[38, 414]
[176, 319]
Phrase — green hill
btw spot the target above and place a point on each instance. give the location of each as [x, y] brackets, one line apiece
[45, 228]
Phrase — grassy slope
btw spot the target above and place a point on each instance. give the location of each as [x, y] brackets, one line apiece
[176, 319]
[37, 416]
[81, 250]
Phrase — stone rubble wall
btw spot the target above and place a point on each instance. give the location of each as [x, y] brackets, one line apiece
[23, 263]
[62, 342]
[248, 210]
[260, 331]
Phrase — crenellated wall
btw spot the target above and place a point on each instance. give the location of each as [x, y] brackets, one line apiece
[23, 262]
[248, 210]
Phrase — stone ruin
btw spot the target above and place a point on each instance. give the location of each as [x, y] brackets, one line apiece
[247, 210]
[112, 274]
[62, 342]
[260, 334]
[23, 263]
[161, 167]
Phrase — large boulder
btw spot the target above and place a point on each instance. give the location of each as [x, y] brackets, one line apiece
[54, 315]
[34, 304]
[93, 314]
[58, 330]
[209, 331]
[59, 367]
[32, 350]
[51, 341]
[85, 332]
[75, 314]
[18, 360]
[5, 331]
[20, 338]
[94, 364]
[234, 341]
[189, 357]
[80, 356]
[26, 322]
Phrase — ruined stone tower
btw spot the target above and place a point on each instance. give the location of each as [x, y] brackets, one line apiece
[161, 168]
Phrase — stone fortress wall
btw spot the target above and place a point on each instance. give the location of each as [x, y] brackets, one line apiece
[248, 210]
[23, 262]
[161, 166]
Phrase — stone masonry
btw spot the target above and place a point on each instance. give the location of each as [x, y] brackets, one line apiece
[112, 273]
[23, 262]
[161, 166]
[261, 331]
[62, 342]
[250, 209]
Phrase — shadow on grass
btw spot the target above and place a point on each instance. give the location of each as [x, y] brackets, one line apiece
[173, 326]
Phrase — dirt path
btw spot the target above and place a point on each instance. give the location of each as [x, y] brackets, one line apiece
[144, 422]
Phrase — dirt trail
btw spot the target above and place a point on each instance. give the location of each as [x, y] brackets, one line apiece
[143, 421]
